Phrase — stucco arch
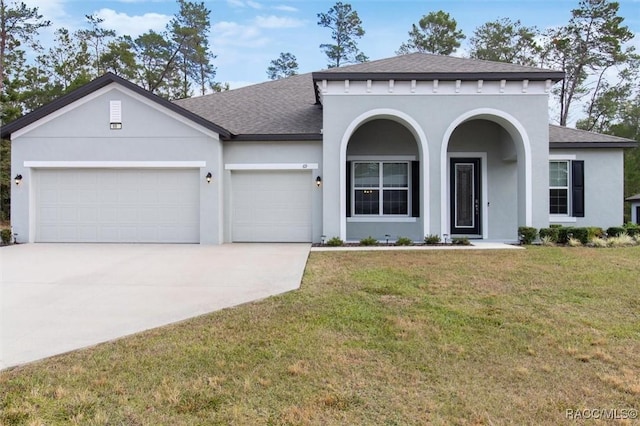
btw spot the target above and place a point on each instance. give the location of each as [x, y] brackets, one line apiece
[423, 148]
[522, 143]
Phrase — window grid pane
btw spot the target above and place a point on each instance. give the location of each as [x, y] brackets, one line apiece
[395, 202]
[558, 201]
[395, 175]
[366, 175]
[558, 174]
[367, 201]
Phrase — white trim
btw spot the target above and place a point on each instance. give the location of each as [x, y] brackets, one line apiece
[271, 166]
[433, 87]
[385, 219]
[381, 158]
[380, 188]
[423, 145]
[115, 164]
[114, 87]
[486, 113]
[562, 219]
[560, 157]
[484, 192]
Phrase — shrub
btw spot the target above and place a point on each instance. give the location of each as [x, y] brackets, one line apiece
[404, 241]
[369, 241]
[621, 240]
[547, 240]
[527, 234]
[432, 239]
[5, 235]
[555, 226]
[580, 234]
[574, 242]
[632, 229]
[598, 242]
[463, 241]
[551, 234]
[594, 232]
[335, 242]
[615, 231]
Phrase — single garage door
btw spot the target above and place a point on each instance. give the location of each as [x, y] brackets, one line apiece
[117, 205]
[271, 206]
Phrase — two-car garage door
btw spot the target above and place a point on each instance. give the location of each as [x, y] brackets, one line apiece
[117, 205]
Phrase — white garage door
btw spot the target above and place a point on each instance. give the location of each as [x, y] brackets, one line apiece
[118, 205]
[271, 206]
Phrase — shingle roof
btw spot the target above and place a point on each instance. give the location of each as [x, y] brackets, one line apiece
[633, 198]
[565, 137]
[280, 107]
[91, 87]
[425, 65]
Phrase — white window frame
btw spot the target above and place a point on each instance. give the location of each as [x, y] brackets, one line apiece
[380, 189]
[561, 217]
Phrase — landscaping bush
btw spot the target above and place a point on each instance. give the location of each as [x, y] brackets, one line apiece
[335, 242]
[615, 231]
[555, 225]
[594, 232]
[5, 235]
[580, 234]
[549, 234]
[547, 241]
[404, 241]
[463, 241]
[369, 241]
[432, 239]
[632, 229]
[527, 234]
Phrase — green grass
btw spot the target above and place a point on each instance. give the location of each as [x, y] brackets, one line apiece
[378, 338]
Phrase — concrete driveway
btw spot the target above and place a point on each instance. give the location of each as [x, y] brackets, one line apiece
[60, 297]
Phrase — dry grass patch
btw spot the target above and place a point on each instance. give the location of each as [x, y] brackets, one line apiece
[415, 337]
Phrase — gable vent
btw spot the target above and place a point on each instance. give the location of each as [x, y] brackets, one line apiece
[115, 115]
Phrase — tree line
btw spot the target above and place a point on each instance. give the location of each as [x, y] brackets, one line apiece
[592, 49]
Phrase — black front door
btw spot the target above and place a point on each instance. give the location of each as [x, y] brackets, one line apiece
[465, 196]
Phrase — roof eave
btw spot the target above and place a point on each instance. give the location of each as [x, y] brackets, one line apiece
[259, 137]
[581, 145]
[554, 76]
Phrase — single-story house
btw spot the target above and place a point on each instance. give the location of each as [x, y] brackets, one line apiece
[408, 146]
[634, 200]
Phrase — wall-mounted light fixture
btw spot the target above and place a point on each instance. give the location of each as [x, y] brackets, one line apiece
[318, 181]
[18, 179]
[209, 176]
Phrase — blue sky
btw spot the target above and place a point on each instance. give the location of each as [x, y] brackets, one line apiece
[247, 34]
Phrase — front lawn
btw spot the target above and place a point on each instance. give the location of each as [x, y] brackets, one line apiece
[379, 338]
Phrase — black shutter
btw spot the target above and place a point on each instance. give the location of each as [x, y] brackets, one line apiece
[577, 188]
[348, 212]
[415, 189]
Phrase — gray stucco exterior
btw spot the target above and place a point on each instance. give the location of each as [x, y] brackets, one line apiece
[302, 136]
[151, 137]
[502, 127]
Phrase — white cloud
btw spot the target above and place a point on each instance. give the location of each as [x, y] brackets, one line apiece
[249, 3]
[277, 22]
[134, 26]
[235, 3]
[254, 4]
[226, 33]
[284, 8]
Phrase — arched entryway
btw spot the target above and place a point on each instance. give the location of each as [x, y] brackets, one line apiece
[384, 181]
[485, 177]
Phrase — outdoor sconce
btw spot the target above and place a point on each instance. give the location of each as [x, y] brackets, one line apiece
[18, 179]
[318, 181]
[209, 176]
